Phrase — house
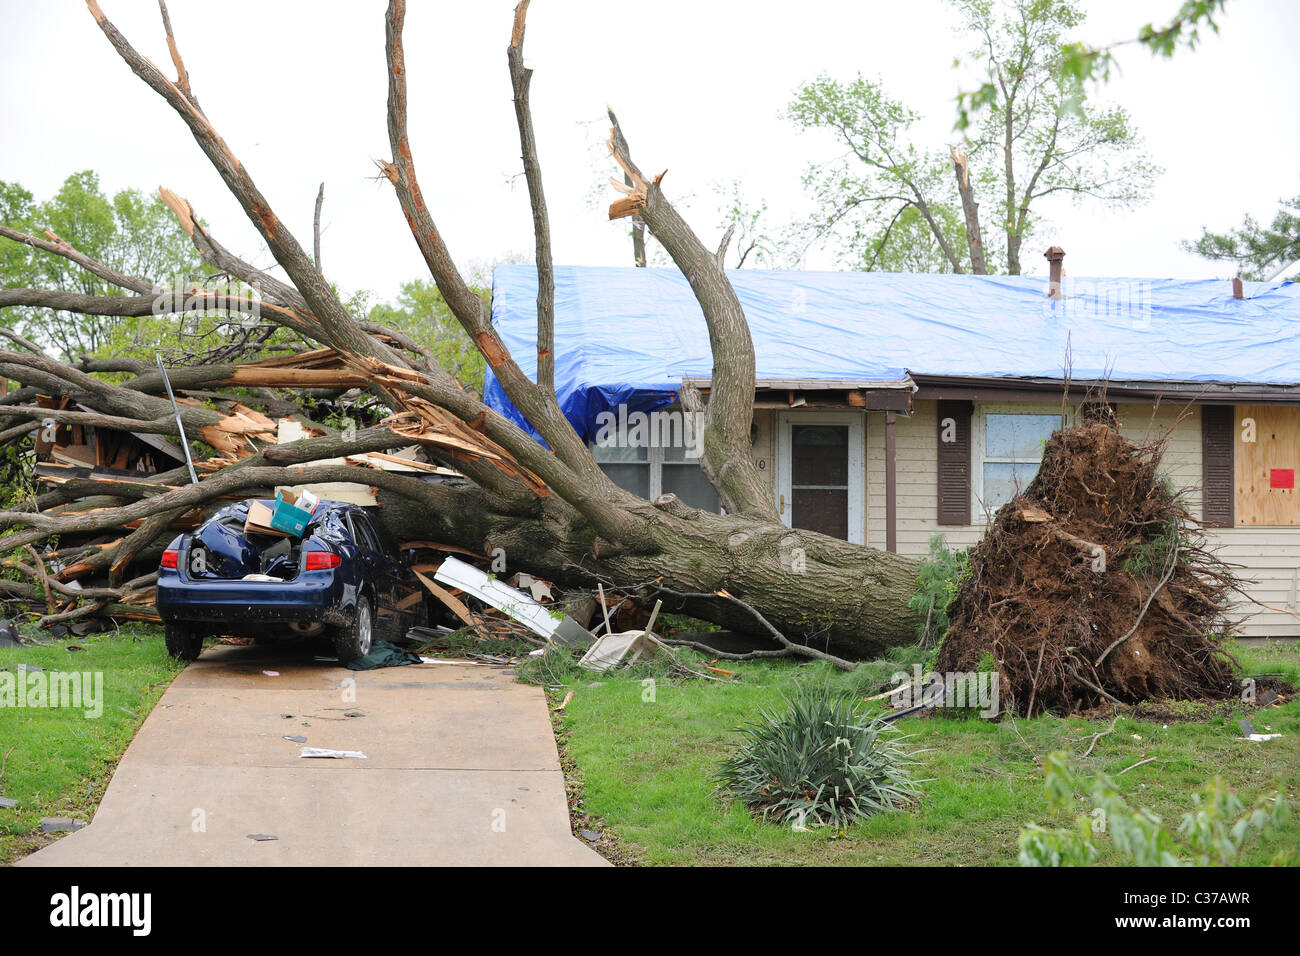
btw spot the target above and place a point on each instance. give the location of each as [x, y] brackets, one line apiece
[892, 407]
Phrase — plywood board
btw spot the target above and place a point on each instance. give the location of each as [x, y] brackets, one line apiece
[1266, 468]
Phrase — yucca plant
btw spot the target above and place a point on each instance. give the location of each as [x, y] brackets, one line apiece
[819, 763]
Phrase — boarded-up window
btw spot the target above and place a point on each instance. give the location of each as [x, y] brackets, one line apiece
[954, 462]
[1217, 480]
[1267, 460]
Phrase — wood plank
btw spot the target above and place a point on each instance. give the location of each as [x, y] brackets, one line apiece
[454, 604]
[395, 463]
[346, 491]
[410, 600]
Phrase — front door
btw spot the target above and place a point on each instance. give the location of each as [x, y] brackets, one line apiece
[821, 472]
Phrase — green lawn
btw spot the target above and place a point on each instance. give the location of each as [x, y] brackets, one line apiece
[59, 760]
[645, 768]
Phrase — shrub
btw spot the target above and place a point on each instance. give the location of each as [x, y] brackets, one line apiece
[819, 763]
[1211, 834]
[938, 577]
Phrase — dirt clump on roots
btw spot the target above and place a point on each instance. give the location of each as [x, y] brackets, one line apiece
[1093, 586]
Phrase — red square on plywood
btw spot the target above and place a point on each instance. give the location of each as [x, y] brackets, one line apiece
[1281, 478]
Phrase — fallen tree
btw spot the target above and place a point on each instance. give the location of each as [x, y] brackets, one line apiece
[548, 507]
[1093, 586]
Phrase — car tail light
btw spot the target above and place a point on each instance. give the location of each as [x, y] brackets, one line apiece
[321, 561]
[170, 558]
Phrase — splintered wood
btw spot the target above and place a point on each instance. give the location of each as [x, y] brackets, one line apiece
[110, 464]
[425, 423]
[233, 436]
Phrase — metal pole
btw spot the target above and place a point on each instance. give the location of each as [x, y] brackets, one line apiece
[185, 444]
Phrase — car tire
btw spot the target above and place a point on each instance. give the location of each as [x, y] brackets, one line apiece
[358, 638]
[182, 643]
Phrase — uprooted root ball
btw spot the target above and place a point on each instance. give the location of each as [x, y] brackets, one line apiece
[1093, 586]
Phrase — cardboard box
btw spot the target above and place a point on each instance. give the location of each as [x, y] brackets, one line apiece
[259, 520]
[287, 516]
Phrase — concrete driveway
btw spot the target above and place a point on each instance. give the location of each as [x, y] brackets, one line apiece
[461, 769]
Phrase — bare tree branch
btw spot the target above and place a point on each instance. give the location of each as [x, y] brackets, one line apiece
[538, 406]
[320, 299]
[521, 78]
[320, 201]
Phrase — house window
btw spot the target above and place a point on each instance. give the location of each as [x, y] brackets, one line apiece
[651, 471]
[1009, 449]
[627, 467]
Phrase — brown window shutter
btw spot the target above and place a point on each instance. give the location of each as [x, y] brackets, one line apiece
[954, 462]
[1218, 427]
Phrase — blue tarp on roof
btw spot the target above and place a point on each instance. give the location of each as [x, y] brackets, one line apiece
[629, 336]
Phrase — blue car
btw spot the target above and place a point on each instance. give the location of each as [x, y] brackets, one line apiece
[342, 580]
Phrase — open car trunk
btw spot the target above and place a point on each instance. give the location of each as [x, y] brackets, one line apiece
[221, 548]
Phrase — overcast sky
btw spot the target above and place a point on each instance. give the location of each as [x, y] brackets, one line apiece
[298, 91]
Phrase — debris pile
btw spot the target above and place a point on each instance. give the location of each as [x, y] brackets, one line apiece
[1093, 586]
[87, 558]
[527, 608]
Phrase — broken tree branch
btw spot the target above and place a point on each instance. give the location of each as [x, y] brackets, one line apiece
[728, 460]
[320, 201]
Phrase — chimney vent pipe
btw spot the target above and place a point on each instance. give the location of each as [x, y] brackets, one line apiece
[1054, 256]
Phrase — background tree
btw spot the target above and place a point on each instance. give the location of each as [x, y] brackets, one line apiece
[754, 241]
[423, 314]
[1034, 135]
[1259, 252]
[130, 233]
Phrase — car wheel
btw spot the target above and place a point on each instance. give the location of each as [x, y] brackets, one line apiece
[356, 640]
[182, 643]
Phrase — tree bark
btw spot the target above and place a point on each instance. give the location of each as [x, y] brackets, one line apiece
[817, 590]
[971, 210]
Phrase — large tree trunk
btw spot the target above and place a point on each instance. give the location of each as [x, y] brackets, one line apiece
[815, 589]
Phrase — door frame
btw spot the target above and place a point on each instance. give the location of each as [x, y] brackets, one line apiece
[857, 425]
